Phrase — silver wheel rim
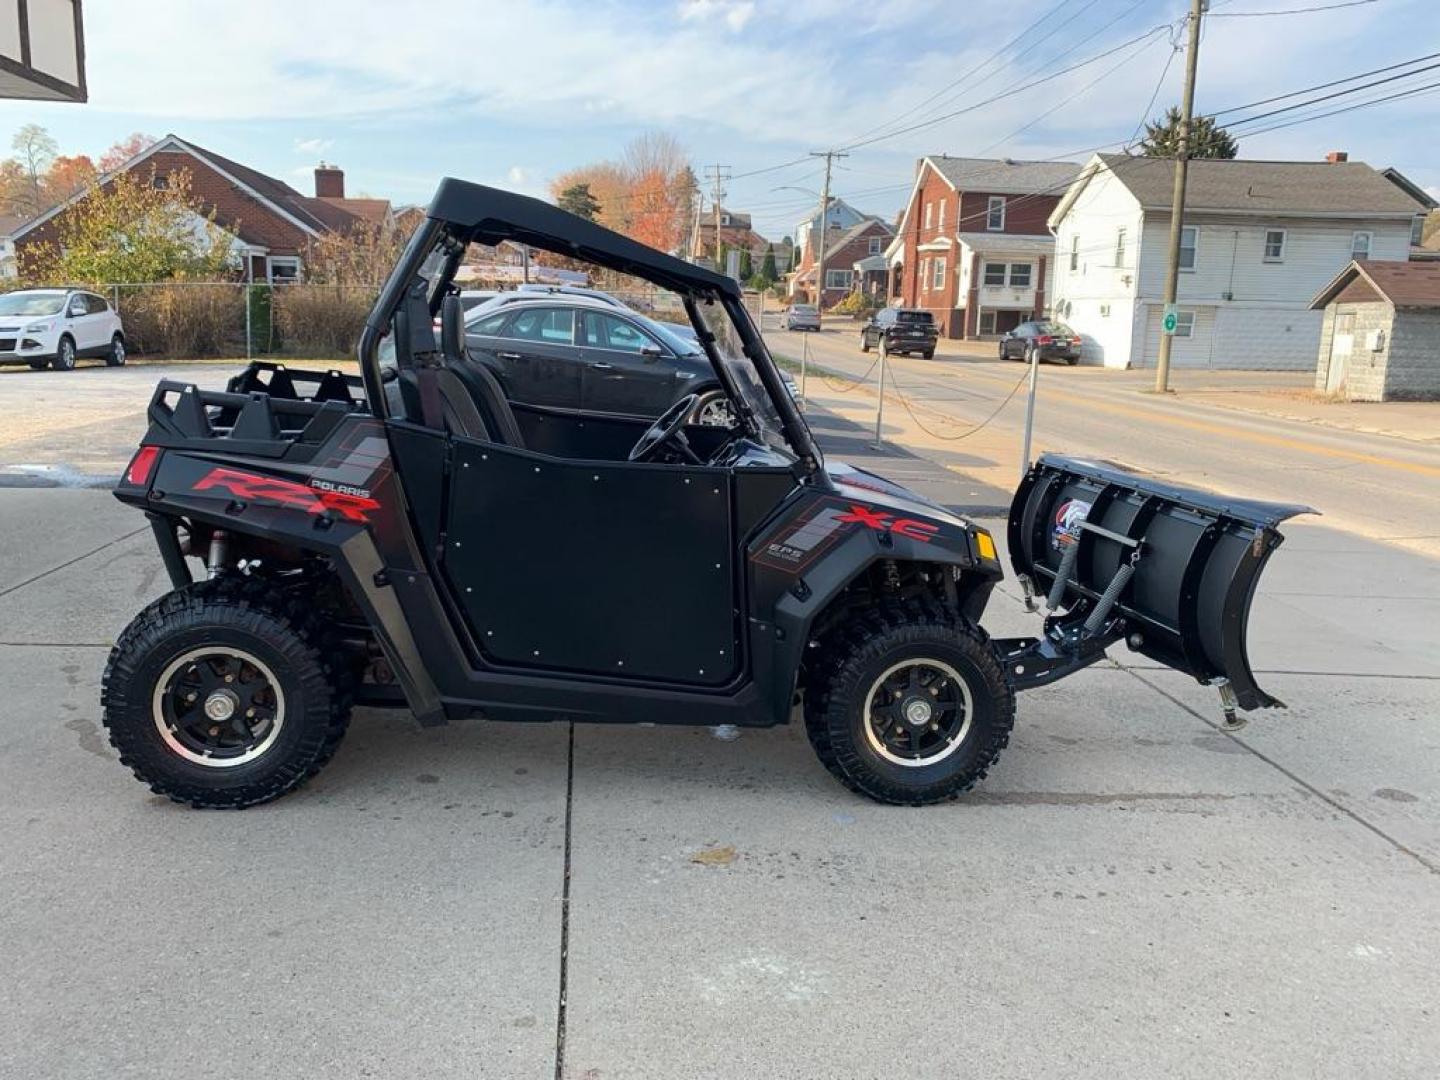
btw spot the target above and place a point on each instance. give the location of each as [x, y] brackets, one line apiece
[714, 411]
[67, 355]
[946, 739]
[174, 729]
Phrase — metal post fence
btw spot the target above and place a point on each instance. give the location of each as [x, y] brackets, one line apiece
[1030, 411]
[880, 396]
[804, 367]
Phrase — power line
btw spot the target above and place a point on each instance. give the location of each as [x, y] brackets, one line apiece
[1415, 92]
[1325, 85]
[1288, 11]
[1328, 97]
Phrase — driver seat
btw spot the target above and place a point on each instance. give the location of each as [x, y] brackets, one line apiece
[473, 400]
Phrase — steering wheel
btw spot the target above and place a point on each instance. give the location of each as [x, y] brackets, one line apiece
[667, 429]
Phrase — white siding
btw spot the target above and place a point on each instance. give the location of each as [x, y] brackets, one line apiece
[1097, 297]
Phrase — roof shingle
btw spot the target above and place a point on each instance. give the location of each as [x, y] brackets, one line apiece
[1005, 176]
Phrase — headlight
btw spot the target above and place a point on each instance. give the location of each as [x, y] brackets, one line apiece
[40, 327]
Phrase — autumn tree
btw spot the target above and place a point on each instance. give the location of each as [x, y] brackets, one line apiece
[129, 231]
[66, 176]
[1207, 139]
[35, 149]
[578, 200]
[647, 195]
[124, 150]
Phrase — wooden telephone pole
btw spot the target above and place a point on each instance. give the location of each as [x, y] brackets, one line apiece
[1177, 207]
[829, 156]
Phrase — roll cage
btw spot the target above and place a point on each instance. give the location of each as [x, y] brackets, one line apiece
[462, 213]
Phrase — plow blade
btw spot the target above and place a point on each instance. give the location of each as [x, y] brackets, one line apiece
[1170, 569]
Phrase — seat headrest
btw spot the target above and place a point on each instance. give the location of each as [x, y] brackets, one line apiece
[452, 327]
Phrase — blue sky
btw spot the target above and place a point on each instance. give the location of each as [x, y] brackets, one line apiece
[512, 92]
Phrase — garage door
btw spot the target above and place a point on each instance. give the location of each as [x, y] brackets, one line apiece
[1192, 350]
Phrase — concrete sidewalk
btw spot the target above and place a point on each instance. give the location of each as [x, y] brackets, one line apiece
[1131, 893]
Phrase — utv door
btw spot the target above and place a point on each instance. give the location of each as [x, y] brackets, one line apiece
[593, 568]
[626, 370]
[536, 359]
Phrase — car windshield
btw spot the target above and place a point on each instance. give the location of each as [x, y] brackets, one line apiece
[804, 309]
[914, 317]
[22, 303]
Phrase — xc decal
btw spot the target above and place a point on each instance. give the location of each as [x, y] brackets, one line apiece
[271, 489]
[879, 520]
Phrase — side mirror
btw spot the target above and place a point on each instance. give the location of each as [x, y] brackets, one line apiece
[651, 352]
[1005, 336]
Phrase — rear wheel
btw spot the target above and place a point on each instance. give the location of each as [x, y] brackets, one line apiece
[713, 410]
[65, 355]
[928, 354]
[908, 706]
[1031, 356]
[864, 342]
[116, 356]
[224, 694]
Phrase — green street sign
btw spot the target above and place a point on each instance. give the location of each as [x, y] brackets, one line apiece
[1171, 320]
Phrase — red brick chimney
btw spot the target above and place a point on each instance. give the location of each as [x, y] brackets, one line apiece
[329, 182]
[1333, 157]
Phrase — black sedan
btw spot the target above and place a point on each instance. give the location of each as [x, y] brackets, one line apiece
[1044, 338]
[904, 330]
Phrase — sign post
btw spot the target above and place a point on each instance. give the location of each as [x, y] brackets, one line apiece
[880, 405]
[1030, 411]
[1171, 319]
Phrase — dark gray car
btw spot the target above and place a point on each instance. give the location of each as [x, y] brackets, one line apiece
[574, 353]
[1044, 338]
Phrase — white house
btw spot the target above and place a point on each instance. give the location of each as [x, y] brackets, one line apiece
[1260, 240]
[8, 224]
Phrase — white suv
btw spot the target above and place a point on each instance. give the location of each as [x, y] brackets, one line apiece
[56, 326]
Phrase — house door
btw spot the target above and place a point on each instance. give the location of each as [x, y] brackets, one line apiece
[1342, 344]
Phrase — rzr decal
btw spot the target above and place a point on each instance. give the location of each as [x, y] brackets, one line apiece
[879, 520]
[271, 489]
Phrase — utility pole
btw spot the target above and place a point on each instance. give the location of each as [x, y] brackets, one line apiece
[718, 175]
[1177, 206]
[829, 156]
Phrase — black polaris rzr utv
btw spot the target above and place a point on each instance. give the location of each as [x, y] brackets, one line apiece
[410, 538]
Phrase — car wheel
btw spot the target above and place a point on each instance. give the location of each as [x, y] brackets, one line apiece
[116, 356]
[713, 410]
[1004, 352]
[908, 705]
[1071, 361]
[65, 355]
[1031, 356]
[928, 354]
[864, 342]
[225, 694]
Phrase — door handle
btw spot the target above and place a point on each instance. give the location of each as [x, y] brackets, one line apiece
[508, 355]
[601, 365]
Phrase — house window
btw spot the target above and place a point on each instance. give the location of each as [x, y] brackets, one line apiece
[1120, 247]
[724, 219]
[1075, 252]
[937, 269]
[928, 208]
[1020, 275]
[1360, 245]
[1185, 324]
[1189, 240]
[875, 245]
[994, 273]
[987, 322]
[284, 269]
[1274, 245]
[1417, 232]
[941, 215]
[925, 274]
[995, 213]
[838, 279]
[160, 182]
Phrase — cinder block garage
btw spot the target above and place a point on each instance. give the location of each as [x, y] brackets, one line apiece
[1380, 337]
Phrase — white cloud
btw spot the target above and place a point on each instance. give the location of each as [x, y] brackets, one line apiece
[313, 147]
[517, 176]
[734, 13]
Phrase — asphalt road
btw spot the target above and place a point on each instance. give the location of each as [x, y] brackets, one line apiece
[1131, 893]
[1368, 485]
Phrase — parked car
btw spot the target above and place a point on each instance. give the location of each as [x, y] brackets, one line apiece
[1049, 339]
[54, 327]
[802, 317]
[905, 330]
[530, 290]
[593, 355]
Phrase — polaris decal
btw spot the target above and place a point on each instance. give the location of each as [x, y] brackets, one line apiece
[351, 504]
[1068, 518]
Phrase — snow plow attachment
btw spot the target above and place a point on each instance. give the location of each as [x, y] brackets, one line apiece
[1171, 570]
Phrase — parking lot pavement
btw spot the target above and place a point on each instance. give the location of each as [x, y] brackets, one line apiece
[1131, 893]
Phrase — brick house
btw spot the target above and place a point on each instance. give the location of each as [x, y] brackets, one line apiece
[1380, 333]
[868, 238]
[736, 234]
[973, 247]
[271, 225]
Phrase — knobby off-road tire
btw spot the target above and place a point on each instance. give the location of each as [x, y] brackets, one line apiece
[280, 660]
[865, 667]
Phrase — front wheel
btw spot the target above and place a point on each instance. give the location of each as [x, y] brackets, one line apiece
[928, 354]
[908, 706]
[864, 342]
[225, 694]
[713, 410]
[65, 355]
